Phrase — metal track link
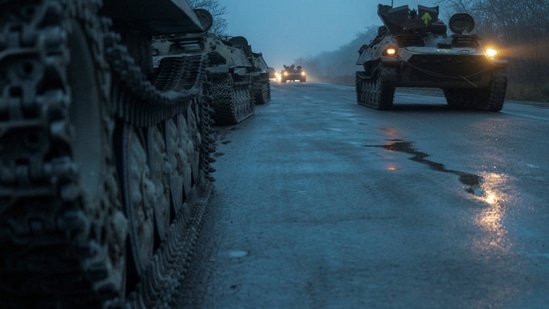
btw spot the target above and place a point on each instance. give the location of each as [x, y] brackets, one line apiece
[376, 91]
[262, 88]
[62, 243]
[51, 252]
[233, 99]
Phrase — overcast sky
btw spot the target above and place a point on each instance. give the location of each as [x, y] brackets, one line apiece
[284, 30]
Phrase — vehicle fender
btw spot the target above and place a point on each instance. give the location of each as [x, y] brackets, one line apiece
[390, 61]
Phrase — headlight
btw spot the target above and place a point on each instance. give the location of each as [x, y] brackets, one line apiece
[491, 53]
[285, 73]
[390, 51]
[303, 73]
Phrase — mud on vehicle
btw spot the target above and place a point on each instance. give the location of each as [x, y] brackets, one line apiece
[237, 77]
[293, 73]
[105, 162]
[413, 49]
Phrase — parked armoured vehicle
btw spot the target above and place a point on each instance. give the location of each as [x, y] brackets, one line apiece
[413, 49]
[236, 76]
[261, 79]
[259, 71]
[230, 81]
[104, 162]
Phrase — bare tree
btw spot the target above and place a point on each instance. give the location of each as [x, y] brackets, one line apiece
[522, 29]
[217, 11]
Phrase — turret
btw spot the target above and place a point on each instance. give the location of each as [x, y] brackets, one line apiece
[402, 18]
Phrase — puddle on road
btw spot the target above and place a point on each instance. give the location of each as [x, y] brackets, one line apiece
[238, 253]
[486, 188]
[471, 181]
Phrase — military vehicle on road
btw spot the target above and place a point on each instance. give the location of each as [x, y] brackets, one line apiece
[292, 73]
[104, 161]
[413, 49]
[272, 72]
[237, 77]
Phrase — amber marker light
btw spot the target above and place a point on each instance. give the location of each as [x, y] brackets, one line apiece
[491, 53]
[390, 51]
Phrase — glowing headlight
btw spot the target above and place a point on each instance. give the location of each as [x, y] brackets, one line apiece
[390, 51]
[285, 73]
[303, 73]
[491, 53]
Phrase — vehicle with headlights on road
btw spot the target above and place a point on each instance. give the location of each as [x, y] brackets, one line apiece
[413, 49]
[293, 73]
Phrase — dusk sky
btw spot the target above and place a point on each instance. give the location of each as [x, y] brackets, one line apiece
[284, 30]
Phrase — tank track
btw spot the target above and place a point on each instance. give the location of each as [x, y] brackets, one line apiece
[64, 224]
[490, 98]
[262, 89]
[376, 91]
[233, 99]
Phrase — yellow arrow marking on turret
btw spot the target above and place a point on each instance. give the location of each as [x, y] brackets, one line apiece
[426, 18]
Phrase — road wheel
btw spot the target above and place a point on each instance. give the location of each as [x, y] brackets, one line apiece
[158, 165]
[139, 198]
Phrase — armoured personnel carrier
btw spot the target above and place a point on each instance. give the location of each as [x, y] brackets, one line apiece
[261, 80]
[272, 72]
[259, 71]
[236, 76]
[413, 49]
[104, 161]
[293, 73]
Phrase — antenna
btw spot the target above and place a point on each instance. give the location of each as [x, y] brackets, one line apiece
[392, 3]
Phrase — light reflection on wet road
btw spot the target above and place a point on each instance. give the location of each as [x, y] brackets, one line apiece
[491, 219]
[321, 203]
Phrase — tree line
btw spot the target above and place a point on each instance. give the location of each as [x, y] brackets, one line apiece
[216, 9]
[519, 28]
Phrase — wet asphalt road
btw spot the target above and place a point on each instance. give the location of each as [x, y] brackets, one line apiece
[322, 203]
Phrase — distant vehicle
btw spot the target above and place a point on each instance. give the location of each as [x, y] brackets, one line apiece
[272, 72]
[412, 49]
[293, 73]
